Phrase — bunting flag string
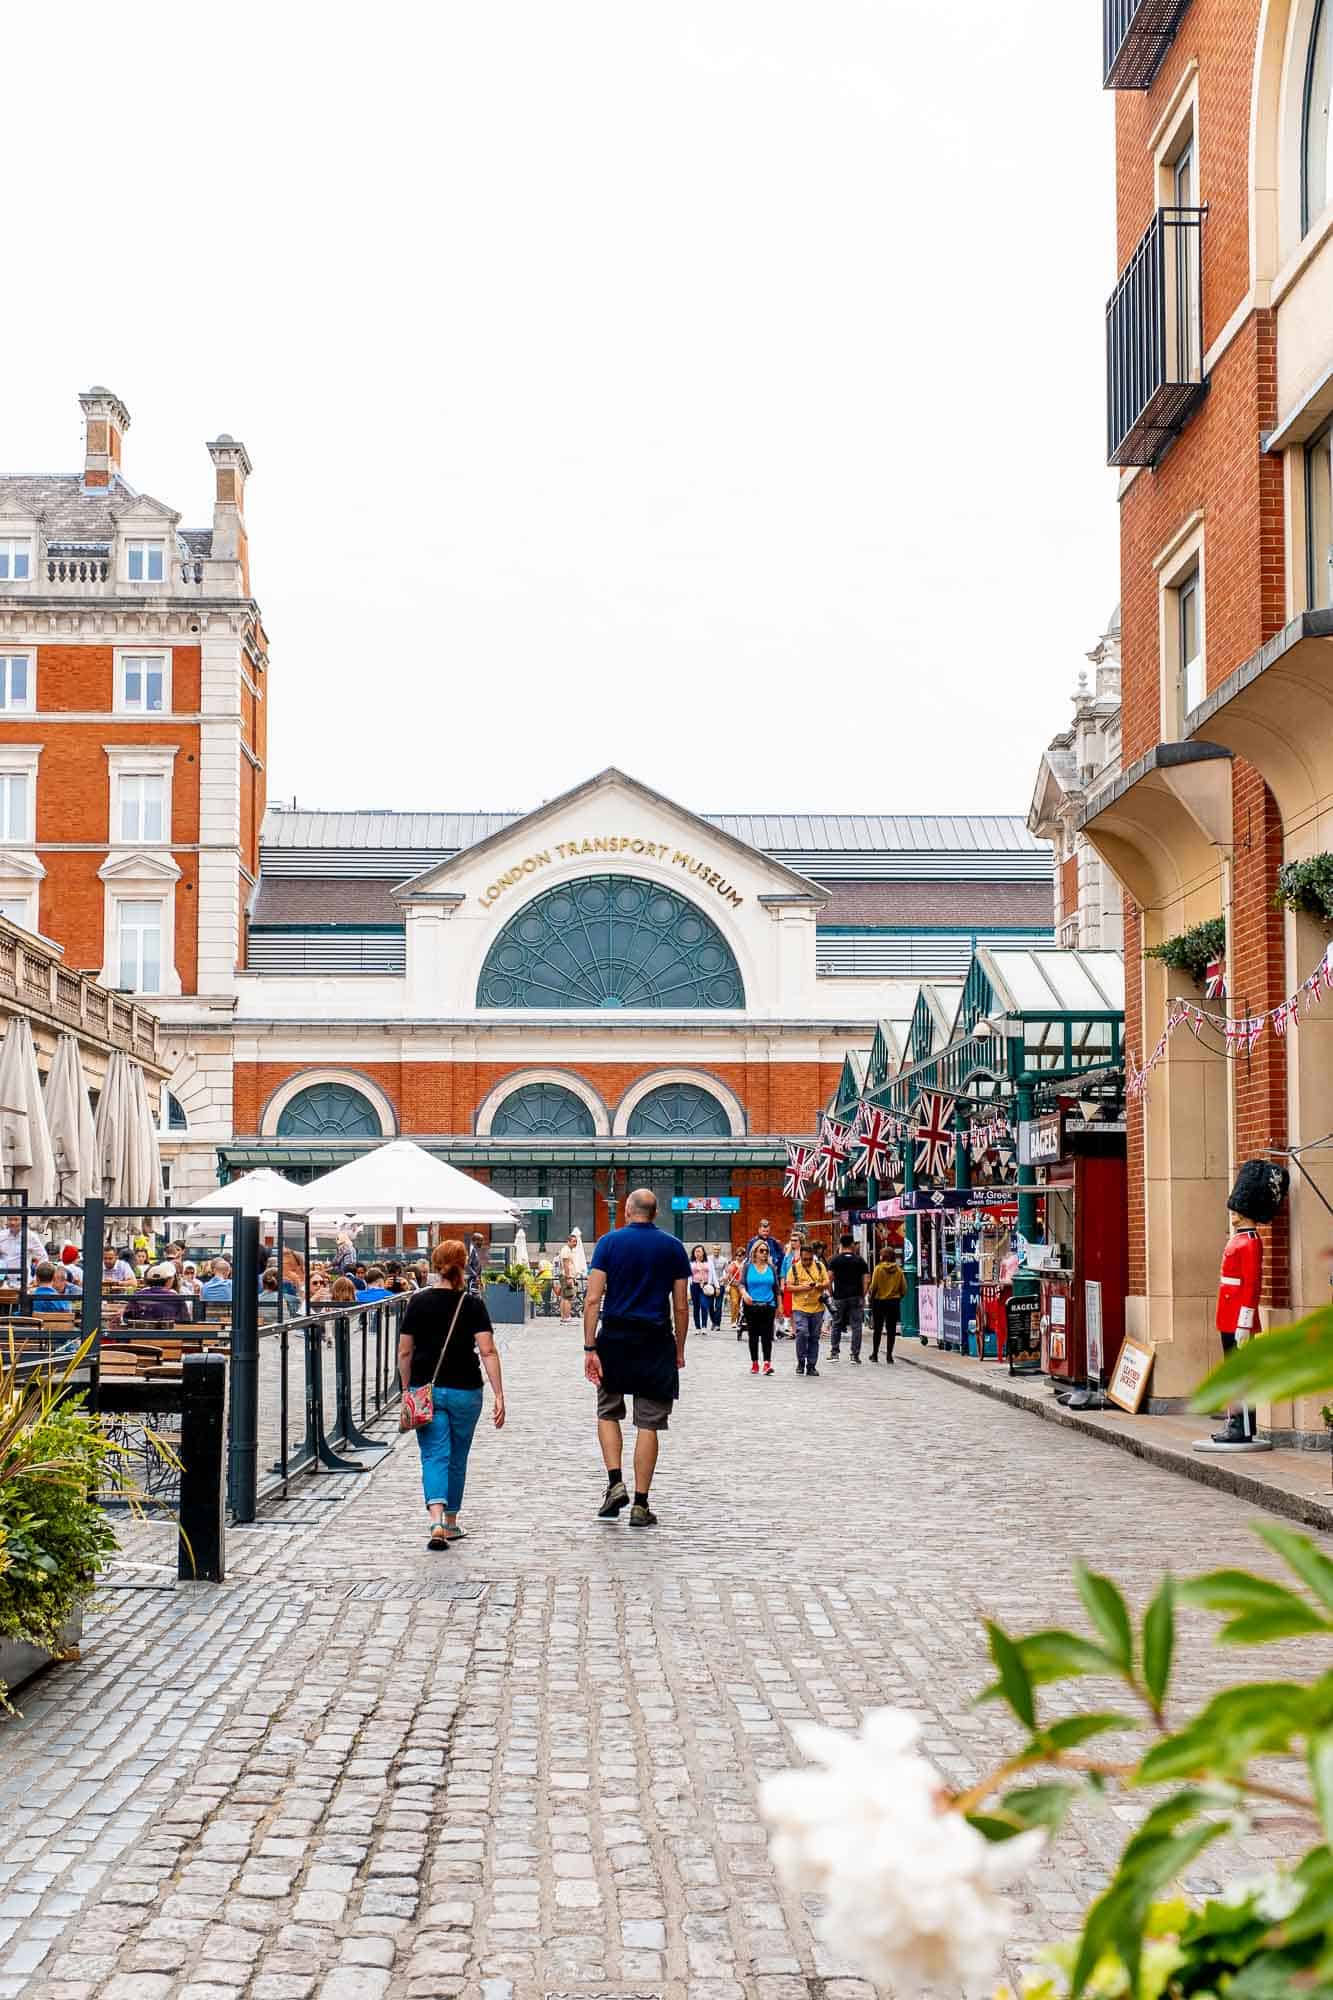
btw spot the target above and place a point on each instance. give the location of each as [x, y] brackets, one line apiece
[870, 1142]
[831, 1152]
[800, 1169]
[1238, 1032]
[934, 1134]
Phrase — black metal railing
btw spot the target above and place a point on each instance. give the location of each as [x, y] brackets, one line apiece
[1136, 35]
[1154, 339]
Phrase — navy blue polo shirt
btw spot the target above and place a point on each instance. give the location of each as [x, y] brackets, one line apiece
[641, 1263]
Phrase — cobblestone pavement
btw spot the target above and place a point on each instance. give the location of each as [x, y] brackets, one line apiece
[528, 1767]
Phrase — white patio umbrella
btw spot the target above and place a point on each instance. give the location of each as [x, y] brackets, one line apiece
[260, 1192]
[28, 1161]
[145, 1156]
[69, 1118]
[402, 1182]
[110, 1132]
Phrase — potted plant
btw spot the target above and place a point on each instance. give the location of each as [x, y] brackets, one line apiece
[1194, 950]
[54, 1538]
[507, 1294]
[1307, 886]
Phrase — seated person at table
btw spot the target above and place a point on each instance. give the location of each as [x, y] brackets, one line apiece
[116, 1267]
[67, 1281]
[45, 1297]
[217, 1289]
[18, 1243]
[374, 1288]
[71, 1259]
[159, 1303]
[344, 1292]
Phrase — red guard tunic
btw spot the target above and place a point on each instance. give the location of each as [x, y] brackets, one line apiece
[1241, 1282]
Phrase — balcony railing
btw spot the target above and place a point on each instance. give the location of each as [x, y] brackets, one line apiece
[91, 573]
[34, 981]
[1136, 35]
[1154, 339]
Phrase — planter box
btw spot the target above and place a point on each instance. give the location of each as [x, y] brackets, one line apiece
[19, 1660]
[506, 1307]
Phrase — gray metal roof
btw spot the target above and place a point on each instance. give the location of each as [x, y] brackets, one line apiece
[74, 515]
[771, 833]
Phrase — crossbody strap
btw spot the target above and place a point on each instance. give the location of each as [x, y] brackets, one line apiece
[447, 1338]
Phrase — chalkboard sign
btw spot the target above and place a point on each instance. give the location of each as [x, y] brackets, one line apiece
[1023, 1336]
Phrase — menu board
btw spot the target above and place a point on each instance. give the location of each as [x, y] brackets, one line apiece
[1130, 1381]
[1023, 1336]
[928, 1311]
[1092, 1326]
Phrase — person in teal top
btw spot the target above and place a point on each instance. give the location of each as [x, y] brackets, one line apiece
[760, 1294]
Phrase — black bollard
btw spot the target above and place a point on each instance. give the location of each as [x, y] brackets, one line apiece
[201, 1553]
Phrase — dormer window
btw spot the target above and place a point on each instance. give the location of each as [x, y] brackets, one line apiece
[145, 561]
[15, 559]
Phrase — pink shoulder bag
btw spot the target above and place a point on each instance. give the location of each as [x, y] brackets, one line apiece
[420, 1403]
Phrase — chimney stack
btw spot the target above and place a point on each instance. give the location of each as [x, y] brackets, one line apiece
[232, 467]
[105, 422]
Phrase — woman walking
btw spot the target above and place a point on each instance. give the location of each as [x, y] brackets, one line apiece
[735, 1277]
[888, 1289]
[701, 1276]
[444, 1331]
[717, 1281]
[760, 1293]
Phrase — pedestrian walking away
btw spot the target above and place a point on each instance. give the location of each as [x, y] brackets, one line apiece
[701, 1277]
[567, 1274]
[717, 1279]
[808, 1280]
[850, 1274]
[888, 1289]
[445, 1340]
[735, 1278]
[638, 1282]
[760, 1294]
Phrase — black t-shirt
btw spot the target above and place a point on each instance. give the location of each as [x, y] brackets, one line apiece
[428, 1318]
[848, 1270]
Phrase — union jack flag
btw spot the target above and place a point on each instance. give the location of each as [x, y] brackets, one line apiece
[1215, 979]
[831, 1152]
[870, 1142]
[800, 1169]
[934, 1134]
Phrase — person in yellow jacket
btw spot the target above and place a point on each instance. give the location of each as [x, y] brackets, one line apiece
[806, 1277]
[888, 1289]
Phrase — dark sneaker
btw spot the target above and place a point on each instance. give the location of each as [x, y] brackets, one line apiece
[857, 1359]
[800, 1368]
[812, 1372]
[616, 1498]
[833, 1354]
[641, 1517]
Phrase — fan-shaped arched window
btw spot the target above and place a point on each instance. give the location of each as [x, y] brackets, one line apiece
[679, 1111]
[543, 1111]
[173, 1114]
[329, 1111]
[1316, 157]
[610, 941]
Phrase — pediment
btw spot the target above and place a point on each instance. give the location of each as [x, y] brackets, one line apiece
[612, 822]
[15, 867]
[140, 865]
[143, 512]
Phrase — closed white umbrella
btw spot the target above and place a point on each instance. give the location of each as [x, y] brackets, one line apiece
[110, 1130]
[145, 1157]
[404, 1182]
[69, 1118]
[29, 1161]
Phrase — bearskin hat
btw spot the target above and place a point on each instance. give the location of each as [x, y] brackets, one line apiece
[1260, 1190]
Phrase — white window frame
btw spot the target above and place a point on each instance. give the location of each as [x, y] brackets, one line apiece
[7, 663]
[138, 760]
[139, 876]
[123, 905]
[20, 760]
[1178, 563]
[10, 546]
[146, 546]
[124, 655]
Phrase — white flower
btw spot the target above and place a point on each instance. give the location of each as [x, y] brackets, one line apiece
[909, 1887]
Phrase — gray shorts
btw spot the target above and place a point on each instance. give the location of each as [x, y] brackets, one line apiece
[651, 1413]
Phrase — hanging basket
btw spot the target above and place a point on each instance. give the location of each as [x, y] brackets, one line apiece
[1193, 951]
[1307, 886]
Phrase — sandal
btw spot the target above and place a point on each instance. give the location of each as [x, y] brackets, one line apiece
[455, 1534]
[439, 1540]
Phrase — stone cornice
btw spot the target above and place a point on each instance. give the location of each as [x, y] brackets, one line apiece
[102, 618]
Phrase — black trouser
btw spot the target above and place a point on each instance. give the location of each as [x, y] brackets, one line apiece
[759, 1327]
[884, 1324]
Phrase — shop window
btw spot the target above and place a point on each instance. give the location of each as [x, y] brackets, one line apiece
[145, 562]
[139, 931]
[1316, 188]
[1319, 520]
[18, 688]
[15, 559]
[329, 1111]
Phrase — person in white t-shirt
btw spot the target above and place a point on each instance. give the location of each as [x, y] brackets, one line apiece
[12, 1251]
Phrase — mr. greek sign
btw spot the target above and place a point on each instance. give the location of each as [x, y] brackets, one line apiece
[608, 844]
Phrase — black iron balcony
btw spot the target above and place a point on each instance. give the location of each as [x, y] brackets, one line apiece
[1154, 339]
[1136, 35]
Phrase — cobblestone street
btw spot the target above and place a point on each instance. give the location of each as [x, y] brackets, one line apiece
[529, 1767]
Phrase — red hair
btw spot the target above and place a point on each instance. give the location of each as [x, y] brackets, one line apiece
[449, 1259]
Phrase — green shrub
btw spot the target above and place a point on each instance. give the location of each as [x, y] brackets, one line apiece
[1308, 886]
[1191, 951]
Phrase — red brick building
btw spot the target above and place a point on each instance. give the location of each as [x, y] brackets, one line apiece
[1220, 353]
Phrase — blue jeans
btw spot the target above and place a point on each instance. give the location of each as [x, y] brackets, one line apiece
[445, 1445]
[808, 1329]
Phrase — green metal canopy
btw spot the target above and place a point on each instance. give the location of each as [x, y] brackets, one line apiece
[319, 1156]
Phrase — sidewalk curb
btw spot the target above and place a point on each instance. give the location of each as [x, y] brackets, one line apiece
[1225, 1475]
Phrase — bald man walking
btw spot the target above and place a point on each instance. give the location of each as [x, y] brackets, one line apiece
[639, 1283]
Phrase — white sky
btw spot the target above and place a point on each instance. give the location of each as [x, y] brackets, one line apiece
[710, 387]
